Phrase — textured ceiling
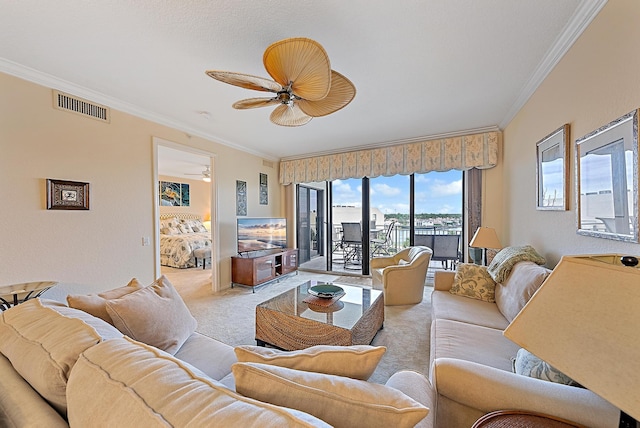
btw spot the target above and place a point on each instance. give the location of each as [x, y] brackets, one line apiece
[421, 68]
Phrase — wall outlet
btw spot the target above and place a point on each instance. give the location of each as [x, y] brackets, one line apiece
[146, 241]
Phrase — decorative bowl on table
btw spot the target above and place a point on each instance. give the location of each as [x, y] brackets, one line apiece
[326, 291]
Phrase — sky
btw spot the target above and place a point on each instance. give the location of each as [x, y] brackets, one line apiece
[436, 192]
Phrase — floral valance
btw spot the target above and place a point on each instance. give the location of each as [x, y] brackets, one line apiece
[461, 153]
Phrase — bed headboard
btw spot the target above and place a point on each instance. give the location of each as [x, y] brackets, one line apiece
[181, 216]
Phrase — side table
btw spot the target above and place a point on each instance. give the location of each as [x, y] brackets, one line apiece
[521, 419]
[18, 293]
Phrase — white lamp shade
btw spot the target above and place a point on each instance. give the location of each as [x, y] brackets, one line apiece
[585, 321]
[485, 237]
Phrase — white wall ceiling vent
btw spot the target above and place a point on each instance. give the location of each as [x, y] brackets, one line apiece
[67, 102]
[267, 163]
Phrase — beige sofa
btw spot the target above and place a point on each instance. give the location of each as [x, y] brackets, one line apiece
[471, 361]
[402, 276]
[60, 366]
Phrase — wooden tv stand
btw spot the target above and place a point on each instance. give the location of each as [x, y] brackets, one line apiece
[260, 267]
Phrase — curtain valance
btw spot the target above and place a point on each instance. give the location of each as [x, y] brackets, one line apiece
[461, 153]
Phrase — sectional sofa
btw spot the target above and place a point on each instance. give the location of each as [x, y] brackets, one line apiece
[130, 358]
[472, 363]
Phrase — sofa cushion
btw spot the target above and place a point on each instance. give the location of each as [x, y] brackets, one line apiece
[339, 401]
[473, 281]
[155, 315]
[43, 340]
[95, 304]
[527, 364]
[357, 362]
[445, 305]
[211, 356]
[141, 386]
[501, 265]
[515, 292]
[478, 344]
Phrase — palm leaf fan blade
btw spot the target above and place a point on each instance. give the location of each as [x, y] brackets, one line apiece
[246, 81]
[341, 93]
[300, 61]
[255, 103]
[285, 115]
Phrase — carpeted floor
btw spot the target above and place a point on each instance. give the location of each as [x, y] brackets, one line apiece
[229, 316]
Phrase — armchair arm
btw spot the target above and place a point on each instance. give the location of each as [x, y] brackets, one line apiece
[443, 280]
[472, 389]
[381, 262]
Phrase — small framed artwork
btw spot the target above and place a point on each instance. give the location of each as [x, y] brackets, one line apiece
[264, 189]
[552, 171]
[67, 195]
[241, 197]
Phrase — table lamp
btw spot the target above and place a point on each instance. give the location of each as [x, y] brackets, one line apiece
[584, 321]
[485, 237]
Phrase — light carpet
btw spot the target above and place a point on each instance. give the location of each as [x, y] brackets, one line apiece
[229, 316]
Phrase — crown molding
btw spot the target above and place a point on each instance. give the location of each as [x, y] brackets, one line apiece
[580, 20]
[49, 81]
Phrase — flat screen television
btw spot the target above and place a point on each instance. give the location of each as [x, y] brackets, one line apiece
[256, 234]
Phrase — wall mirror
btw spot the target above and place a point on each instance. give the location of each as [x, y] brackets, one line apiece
[552, 170]
[607, 180]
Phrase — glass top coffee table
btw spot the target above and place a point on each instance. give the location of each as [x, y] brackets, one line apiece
[287, 322]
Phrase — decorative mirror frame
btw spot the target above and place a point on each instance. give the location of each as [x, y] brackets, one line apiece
[554, 148]
[611, 211]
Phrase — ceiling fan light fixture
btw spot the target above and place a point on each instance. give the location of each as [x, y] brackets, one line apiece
[206, 179]
[303, 82]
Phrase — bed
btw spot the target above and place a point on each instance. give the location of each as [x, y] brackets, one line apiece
[180, 234]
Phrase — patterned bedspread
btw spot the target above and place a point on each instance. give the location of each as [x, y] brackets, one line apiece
[177, 250]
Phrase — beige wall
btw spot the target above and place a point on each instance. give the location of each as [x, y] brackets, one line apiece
[597, 81]
[100, 248]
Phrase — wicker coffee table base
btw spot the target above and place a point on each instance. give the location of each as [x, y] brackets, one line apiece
[290, 332]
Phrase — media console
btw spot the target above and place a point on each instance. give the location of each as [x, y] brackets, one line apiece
[260, 267]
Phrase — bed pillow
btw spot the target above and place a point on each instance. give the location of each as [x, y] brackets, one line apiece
[357, 362]
[339, 401]
[185, 228]
[474, 281]
[43, 339]
[170, 231]
[95, 304]
[155, 315]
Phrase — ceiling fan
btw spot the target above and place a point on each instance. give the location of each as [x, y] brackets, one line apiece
[206, 174]
[303, 82]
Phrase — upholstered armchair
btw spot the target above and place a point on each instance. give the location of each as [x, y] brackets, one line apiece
[402, 276]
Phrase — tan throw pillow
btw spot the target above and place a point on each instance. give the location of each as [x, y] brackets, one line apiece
[473, 281]
[95, 304]
[123, 383]
[155, 315]
[515, 292]
[339, 401]
[357, 362]
[43, 340]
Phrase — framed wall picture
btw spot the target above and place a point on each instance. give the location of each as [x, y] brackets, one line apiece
[174, 194]
[607, 180]
[67, 195]
[241, 197]
[552, 171]
[264, 189]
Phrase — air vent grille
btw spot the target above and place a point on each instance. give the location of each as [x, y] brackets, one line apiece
[77, 105]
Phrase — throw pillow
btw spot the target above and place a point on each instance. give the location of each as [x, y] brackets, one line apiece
[501, 265]
[357, 362]
[43, 340]
[123, 383]
[339, 401]
[155, 315]
[96, 304]
[515, 292]
[473, 281]
[527, 364]
[403, 262]
[185, 228]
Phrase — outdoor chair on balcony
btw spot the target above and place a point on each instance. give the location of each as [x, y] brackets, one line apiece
[445, 248]
[352, 245]
[382, 246]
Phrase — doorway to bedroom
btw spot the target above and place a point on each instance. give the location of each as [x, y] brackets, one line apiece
[184, 198]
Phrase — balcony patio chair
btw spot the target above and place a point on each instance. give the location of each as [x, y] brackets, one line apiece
[352, 244]
[446, 249]
[382, 246]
